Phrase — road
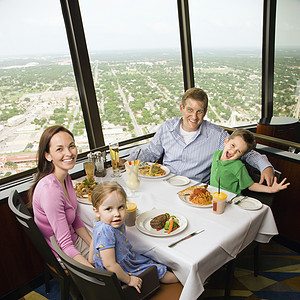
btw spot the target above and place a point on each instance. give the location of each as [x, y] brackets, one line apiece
[138, 131]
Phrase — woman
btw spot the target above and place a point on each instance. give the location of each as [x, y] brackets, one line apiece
[53, 197]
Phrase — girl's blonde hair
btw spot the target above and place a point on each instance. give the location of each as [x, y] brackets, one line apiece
[103, 189]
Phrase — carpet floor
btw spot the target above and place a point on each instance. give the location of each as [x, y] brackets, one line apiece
[278, 279]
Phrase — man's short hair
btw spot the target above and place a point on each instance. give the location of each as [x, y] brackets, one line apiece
[247, 136]
[195, 94]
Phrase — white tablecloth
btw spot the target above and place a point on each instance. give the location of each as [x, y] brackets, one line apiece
[194, 259]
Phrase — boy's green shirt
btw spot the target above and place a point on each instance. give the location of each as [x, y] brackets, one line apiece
[233, 174]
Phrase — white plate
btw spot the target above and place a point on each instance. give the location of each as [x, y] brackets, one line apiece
[178, 180]
[250, 204]
[142, 222]
[186, 200]
[154, 177]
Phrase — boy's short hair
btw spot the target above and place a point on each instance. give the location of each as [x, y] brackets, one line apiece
[247, 136]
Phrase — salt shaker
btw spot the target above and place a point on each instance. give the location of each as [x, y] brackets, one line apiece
[99, 164]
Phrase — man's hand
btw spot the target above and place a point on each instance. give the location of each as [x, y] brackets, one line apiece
[268, 175]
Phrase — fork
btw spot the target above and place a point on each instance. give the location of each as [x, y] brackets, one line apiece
[230, 201]
[245, 197]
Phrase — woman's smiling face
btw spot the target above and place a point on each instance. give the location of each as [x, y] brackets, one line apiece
[62, 152]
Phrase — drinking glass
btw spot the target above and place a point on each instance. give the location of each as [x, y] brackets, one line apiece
[132, 180]
[114, 155]
[89, 168]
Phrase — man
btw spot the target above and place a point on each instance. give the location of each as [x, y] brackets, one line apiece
[188, 143]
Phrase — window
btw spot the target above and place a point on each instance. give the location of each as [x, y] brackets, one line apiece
[37, 84]
[227, 46]
[286, 97]
[134, 49]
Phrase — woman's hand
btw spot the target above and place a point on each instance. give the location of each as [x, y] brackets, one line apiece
[135, 282]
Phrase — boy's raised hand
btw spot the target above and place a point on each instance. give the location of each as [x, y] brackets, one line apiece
[276, 187]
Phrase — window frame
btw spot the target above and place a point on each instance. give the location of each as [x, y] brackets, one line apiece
[85, 84]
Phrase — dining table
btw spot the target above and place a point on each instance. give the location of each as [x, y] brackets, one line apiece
[192, 260]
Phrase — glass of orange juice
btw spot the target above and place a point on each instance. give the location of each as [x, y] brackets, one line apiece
[89, 168]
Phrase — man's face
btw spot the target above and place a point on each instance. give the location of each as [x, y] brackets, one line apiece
[192, 114]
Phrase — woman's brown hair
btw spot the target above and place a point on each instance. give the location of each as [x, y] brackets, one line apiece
[45, 167]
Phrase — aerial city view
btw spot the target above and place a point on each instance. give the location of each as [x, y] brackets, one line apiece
[136, 92]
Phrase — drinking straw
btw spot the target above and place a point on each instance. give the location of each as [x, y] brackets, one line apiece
[138, 154]
[219, 185]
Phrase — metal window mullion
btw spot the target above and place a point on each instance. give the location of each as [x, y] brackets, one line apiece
[268, 50]
[83, 73]
[186, 44]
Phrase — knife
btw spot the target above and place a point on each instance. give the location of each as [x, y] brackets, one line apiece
[186, 237]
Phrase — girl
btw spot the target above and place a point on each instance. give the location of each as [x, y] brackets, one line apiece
[53, 197]
[111, 249]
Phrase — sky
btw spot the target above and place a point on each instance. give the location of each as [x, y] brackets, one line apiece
[37, 26]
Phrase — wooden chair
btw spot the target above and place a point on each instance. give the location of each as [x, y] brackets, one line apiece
[95, 284]
[52, 266]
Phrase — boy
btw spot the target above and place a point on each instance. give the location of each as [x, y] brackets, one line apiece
[230, 170]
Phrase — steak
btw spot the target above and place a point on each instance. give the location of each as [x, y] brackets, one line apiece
[159, 221]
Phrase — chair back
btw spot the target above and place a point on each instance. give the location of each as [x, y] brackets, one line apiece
[92, 283]
[95, 284]
[22, 214]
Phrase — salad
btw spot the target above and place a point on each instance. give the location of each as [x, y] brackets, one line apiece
[171, 224]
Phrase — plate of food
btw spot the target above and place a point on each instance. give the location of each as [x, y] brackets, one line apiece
[196, 196]
[153, 170]
[161, 222]
[83, 190]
